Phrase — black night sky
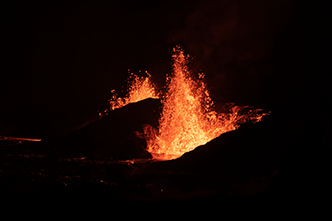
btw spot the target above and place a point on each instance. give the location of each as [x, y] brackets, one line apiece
[62, 60]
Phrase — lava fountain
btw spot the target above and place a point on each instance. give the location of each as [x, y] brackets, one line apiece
[140, 88]
[188, 119]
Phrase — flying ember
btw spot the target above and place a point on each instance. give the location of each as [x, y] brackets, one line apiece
[188, 119]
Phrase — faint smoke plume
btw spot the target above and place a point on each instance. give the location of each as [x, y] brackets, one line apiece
[234, 30]
[229, 39]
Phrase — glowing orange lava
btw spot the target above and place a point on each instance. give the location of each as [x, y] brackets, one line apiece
[140, 88]
[18, 139]
[188, 119]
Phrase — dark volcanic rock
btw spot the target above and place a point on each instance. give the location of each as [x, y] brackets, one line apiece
[240, 149]
[113, 135]
[275, 158]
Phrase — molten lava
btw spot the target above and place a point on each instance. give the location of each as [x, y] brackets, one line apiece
[18, 139]
[140, 88]
[187, 119]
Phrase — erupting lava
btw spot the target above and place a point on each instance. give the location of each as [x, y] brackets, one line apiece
[140, 88]
[187, 119]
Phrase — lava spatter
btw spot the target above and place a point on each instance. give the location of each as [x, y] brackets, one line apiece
[188, 119]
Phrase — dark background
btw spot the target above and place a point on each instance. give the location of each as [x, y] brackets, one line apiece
[60, 60]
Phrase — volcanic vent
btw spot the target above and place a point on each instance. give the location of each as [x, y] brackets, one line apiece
[188, 118]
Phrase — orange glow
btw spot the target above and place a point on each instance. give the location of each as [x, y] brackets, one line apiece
[18, 139]
[188, 119]
[140, 88]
